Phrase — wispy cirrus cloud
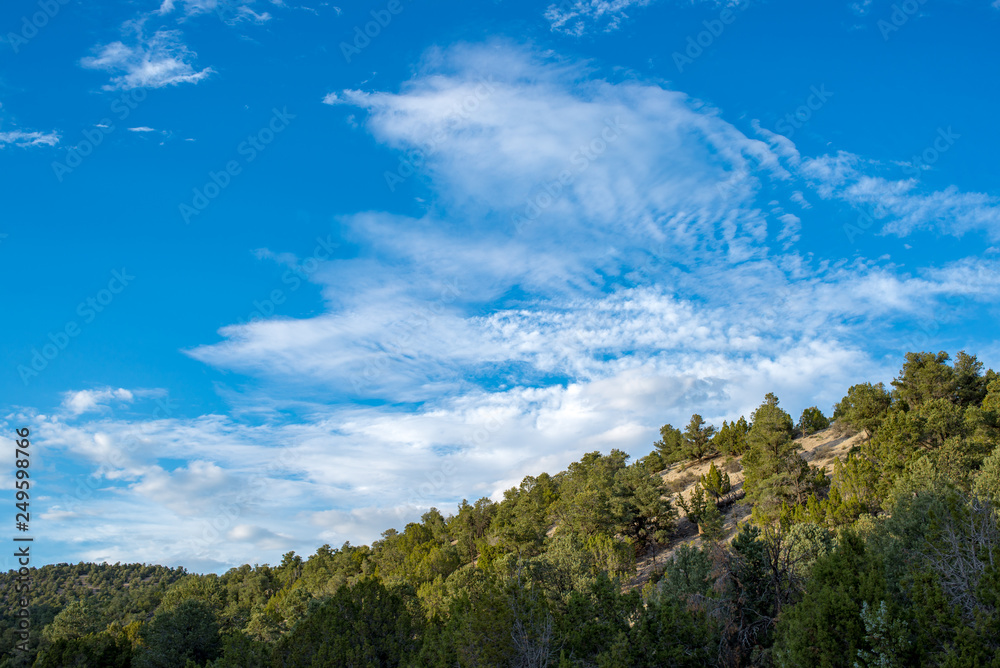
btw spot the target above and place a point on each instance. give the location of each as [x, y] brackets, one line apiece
[25, 139]
[230, 11]
[149, 62]
[576, 17]
[902, 204]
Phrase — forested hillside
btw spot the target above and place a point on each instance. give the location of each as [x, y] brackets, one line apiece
[886, 556]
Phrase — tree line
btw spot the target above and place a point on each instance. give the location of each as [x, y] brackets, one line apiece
[891, 559]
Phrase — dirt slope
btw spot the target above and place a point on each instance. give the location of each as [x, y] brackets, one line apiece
[821, 449]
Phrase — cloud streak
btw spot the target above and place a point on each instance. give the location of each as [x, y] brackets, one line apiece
[154, 62]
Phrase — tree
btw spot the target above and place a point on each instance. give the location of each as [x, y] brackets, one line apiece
[189, 631]
[731, 439]
[77, 619]
[825, 628]
[644, 513]
[366, 624]
[703, 511]
[587, 501]
[470, 526]
[687, 576]
[698, 438]
[715, 483]
[595, 618]
[864, 407]
[522, 518]
[108, 649]
[971, 385]
[774, 470]
[666, 633]
[812, 420]
[987, 485]
[924, 376]
[887, 637]
[670, 447]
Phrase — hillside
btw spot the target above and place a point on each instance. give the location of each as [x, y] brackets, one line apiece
[839, 541]
[820, 449]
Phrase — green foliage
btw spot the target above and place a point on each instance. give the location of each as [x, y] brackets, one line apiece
[644, 514]
[812, 420]
[666, 633]
[366, 624]
[670, 447]
[595, 619]
[687, 576]
[696, 442]
[807, 543]
[987, 485]
[731, 439]
[610, 555]
[109, 649]
[711, 523]
[698, 439]
[864, 407]
[774, 471]
[701, 509]
[188, 631]
[926, 377]
[522, 518]
[545, 577]
[716, 483]
[825, 628]
[470, 525]
[77, 619]
[242, 651]
[886, 636]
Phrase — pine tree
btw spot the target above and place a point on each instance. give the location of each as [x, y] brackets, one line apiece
[715, 483]
[775, 473]
[698, 438]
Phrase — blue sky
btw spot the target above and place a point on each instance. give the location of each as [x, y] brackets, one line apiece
[271, 282]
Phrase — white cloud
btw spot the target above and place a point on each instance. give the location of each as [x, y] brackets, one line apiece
[230, 11]
[862, 7]
[575, 17]
[83, 401]
[142, 128]
[903, 206]
[154, 62]
[20, 138]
